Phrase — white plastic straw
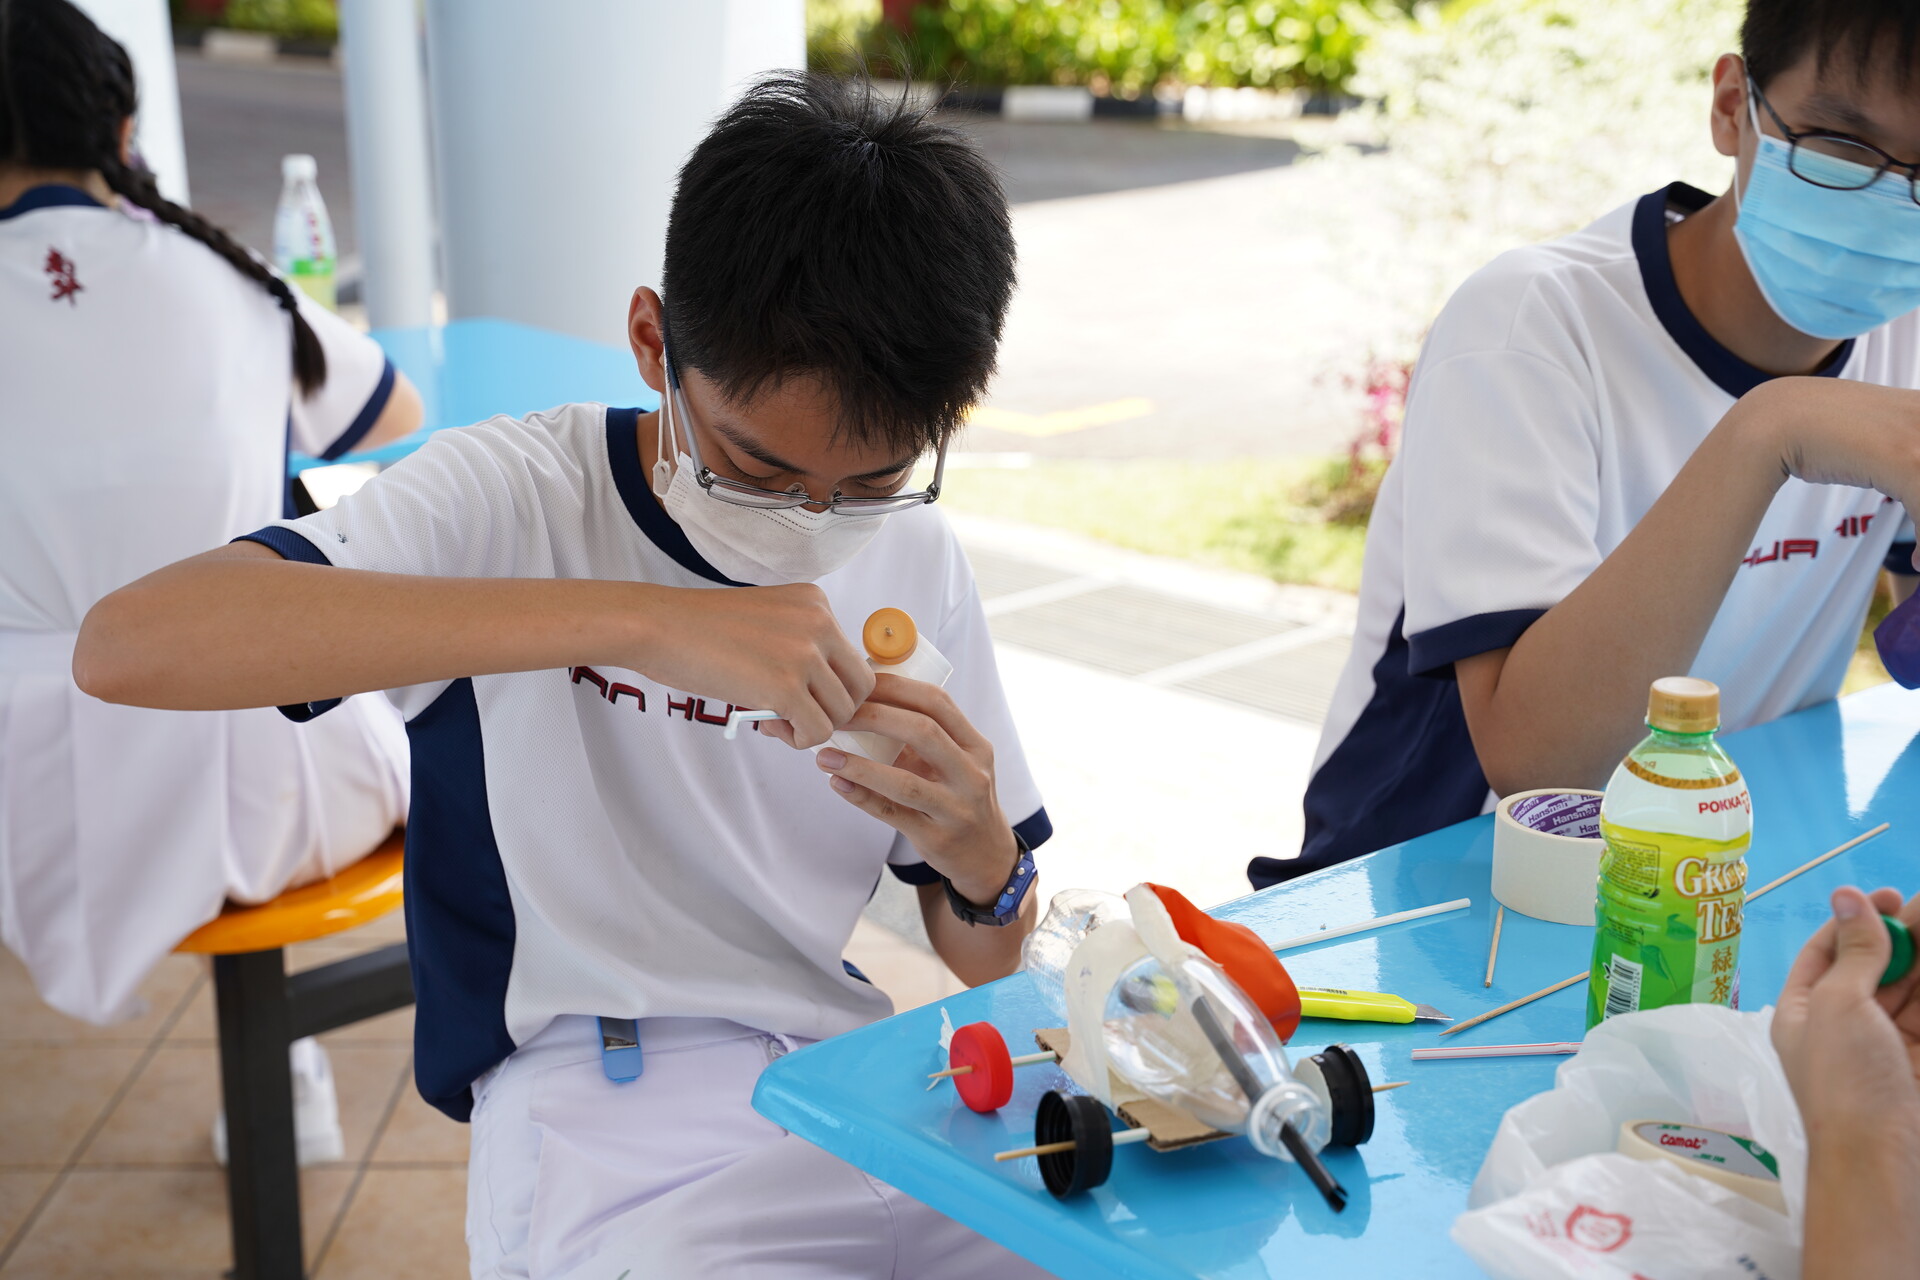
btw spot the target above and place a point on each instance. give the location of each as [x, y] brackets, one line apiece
[1378, 922]
[739, 718]
[1497, 1050]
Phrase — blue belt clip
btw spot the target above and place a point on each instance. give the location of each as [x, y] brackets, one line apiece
[620, 1049]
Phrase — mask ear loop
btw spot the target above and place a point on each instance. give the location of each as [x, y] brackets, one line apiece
[663, 461]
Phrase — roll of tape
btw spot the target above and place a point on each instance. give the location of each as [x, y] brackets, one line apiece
[1546, 854]
[1737, 1163]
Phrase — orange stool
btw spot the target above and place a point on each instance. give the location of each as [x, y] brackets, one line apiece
[262, 1011]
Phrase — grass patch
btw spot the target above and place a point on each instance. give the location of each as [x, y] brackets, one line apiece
[1299, 520]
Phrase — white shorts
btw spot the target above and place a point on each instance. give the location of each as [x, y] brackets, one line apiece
[675, 1175]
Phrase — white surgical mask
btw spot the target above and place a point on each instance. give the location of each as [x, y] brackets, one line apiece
[750, 544]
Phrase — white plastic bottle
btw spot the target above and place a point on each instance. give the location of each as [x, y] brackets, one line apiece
[303, 248]
[894, 647]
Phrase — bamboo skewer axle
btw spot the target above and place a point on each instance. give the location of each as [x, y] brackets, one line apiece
[1761, 892]
[1493, 951]
[1120, 1139]
[1023, 1060]
[1125, 1136]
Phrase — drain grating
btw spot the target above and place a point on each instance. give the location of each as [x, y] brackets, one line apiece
[1297, 685]
[999, 575]
[1130, 630]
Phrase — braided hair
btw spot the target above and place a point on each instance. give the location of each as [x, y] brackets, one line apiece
[65, 89]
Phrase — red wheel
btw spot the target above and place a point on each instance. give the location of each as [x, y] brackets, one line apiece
[990, 1084]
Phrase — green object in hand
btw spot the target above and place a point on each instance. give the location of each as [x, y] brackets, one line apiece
[1902, 960]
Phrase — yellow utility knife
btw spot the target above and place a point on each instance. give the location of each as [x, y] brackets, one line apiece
[1364, 1006]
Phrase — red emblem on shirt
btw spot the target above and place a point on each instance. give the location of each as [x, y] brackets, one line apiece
[65, 282]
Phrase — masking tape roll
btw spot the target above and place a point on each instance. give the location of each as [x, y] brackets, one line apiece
[1737, 1163]
[1546, 854]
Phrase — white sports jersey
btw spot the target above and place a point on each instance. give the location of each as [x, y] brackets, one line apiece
[146, 407]
[1560, 391]
[587, 841]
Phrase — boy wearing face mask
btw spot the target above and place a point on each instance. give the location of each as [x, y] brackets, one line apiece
[1684, 439]
[618, 916]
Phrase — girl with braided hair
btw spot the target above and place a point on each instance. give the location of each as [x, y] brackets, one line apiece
[153, 375]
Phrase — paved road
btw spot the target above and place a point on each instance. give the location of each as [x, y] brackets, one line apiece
[1179, 297]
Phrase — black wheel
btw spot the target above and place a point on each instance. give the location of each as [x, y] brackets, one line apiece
[1350, 1090]
[1072, 1117]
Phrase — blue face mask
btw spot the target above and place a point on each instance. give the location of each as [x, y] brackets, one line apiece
[1833, 264]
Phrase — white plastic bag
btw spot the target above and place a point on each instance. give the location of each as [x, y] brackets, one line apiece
[1554, 1199]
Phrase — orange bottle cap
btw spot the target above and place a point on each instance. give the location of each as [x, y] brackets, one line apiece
[890, 636]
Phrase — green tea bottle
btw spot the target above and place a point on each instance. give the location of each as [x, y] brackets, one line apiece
[1677, 820]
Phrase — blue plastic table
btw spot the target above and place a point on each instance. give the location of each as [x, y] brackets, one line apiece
[469, 370]
[1220, 1210]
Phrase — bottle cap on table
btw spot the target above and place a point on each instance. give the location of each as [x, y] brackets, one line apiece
[890, 636]
[1682, 704]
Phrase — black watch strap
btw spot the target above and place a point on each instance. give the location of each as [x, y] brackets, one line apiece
[1006, 906]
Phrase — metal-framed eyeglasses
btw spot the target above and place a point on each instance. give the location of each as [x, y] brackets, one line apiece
[1833, 160]
[742, 494]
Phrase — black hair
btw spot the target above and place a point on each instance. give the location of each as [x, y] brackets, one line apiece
[65, 88]
[1862, 33]
[825, 230]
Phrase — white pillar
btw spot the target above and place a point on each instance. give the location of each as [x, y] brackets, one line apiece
[392, 172]
[558, 131]
[146, 29]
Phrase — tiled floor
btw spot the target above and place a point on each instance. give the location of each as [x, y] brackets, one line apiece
[106, 1167]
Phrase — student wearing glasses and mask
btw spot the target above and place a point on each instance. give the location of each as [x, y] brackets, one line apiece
[1683, 440]
[618, 915]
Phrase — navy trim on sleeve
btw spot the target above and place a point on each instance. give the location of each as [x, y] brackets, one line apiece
[1728, 371]
[1434, 651]
[623, 459]
[1036, 831]
[290, 545]
[51, 195]
[369, 414]
[1900, 560]
[1406, 767]
[293, 546]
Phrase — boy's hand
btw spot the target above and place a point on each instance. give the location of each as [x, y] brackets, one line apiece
[939, 793]
[776, 648]
[1839, 431]
[1850, 1047]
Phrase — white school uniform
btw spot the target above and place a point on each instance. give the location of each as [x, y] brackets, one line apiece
[588, 842]
[1558, 395]
[146, 409]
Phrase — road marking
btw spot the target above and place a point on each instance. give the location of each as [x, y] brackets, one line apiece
[1046, 593]
[1061, 421]
[1239, 655]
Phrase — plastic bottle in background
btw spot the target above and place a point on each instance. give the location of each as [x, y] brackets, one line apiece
[1677, 821]
[303, 248]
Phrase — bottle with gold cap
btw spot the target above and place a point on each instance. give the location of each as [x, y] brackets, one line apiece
[894, 647]
[1677, 820]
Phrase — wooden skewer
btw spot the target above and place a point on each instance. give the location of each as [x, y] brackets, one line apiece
[1511, 1005]
[1771, 885]
[1120, 1139]
[1392, 1084]
[1761, 892]
[1324, 934]
[1493, 951]
[1021, 1061]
